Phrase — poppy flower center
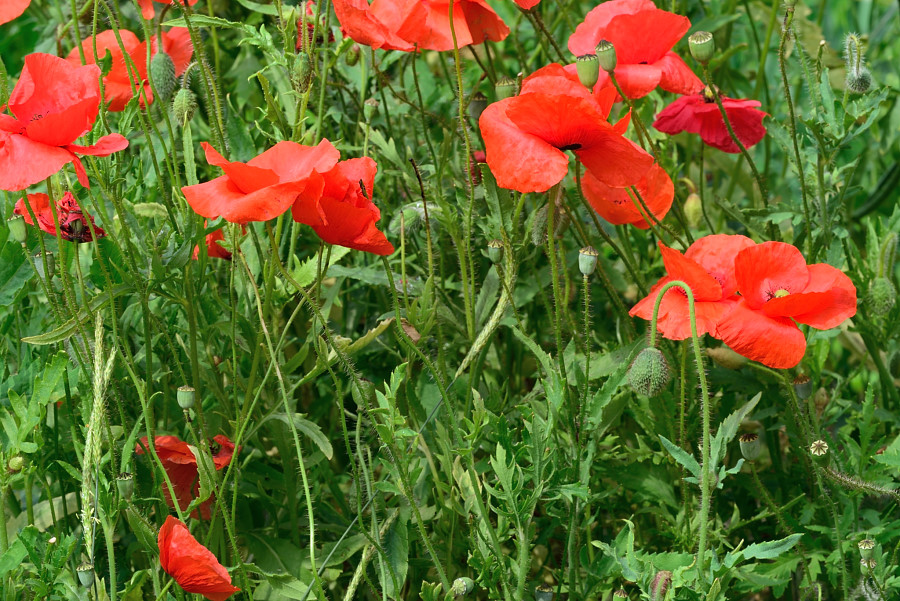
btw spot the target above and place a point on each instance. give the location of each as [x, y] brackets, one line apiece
[708, 95]
[780, 293]
[575, 146]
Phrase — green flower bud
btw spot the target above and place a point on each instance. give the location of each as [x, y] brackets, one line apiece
[125, 484]
[183, 106]
[39, 264]
[660, 585]
[185, 397]
[882, 296]
[587, 260]
[727, 358]
[369, 108]
[17, 231]
[15, 464]
[495, 251]
[301, 74]
[649, 373]
[162, 74]
[693, 209]
[866, 548]
[543, 592]
[606, 55]
[802, 386]
[85, 573]
[462, 587]
[702, 46]
[750, 446]
[539, 226]
[859, 82]
[588, 68]
[506, 87]
[477, 104]
[352, 55]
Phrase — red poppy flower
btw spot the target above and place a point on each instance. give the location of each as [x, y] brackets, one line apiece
[181, 467]
[342, 213]
[407, 24]
[213, 248]
[117, 85]
[12, 9]
[526, 136]
[264, 187]
[53, 104]
[191, 564]
[526, 4]
[708, 268]
[148, 12]
[777, 289]
[643, 36]
[73, 224]
[616, 205]
[699, 114]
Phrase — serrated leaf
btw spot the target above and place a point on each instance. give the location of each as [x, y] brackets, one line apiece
[685, 459]
[310, 429]
[728, 429]
[206, 468]
[771, 549]
[396, 547]
[85, 316]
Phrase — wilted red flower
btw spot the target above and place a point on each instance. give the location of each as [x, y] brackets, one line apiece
[191, 564]
[53, 103]
[73, 222]
[148, 12]
[117, 85]
[616, 205]
[708, 268]
[181, 466]
[342, 213]
[777, 289]
[643, 36]
[407, 24]
[699, 114]
[12, 9]
[264, 187]
[526, 136]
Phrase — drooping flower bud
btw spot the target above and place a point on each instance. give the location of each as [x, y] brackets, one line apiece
[17, 231]
[352, 55]
[39, 264]
[183, 106]
[606, 55]
[866, 548]
[588, 68]
[125, 485]
[802, 386]
[726, 357]
[462, 587]
[369, 108]
[301, 73]
[477, 104]
[859, 82]
[693, 209]
[506, 87]
[750, 446]
[649, 373]
[495, 251]
[882, 296]
[185, 397]
[543, 592]
[587, 260]
[162, 74]
[858, 79]
[702, 46]
[85, 573]
[660, 585]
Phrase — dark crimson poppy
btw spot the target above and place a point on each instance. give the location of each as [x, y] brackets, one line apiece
[342, 213]
[117, 85]
[264, 187]
[53, 103]
[708, 268]
[526, 136]
[643, 36]
[12, 9]
[191, 564]
[148, 12]
[699, 114]
[616, 204]
[778, 289]
[181, 467]
[408, 24]
[73, 222]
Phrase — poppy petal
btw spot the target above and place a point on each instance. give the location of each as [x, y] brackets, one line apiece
[360, 23]
[12, 9]
[645, 36]
[637, 80]
[105, 146]
[613, 159]
[703, 286]
[191, 564]
[764, 269]
[616, 206]
[773, 341]
[590, 31]
[677, 77]
[835, 293]
[716, 254]
[24, 162]
[220, 197]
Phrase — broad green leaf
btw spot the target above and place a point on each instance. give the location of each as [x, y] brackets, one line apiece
[310, 429]
[771, 549]
[15, 271]
[685, 459]
[206, 468]
[396, 547]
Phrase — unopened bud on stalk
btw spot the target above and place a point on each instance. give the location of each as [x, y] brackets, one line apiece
[477, 104]
[543, 592]
[858, 80]
[660, 585]
[39, 264]
[802, 386]
[505, 88]
[15, 464]
[750, 446]
[702, 46]
[881, 297]
[649, 373]
[818, 449]
[370, 106]
[462, 587]
[866, 548]
[495, 251]
[17, 231]
[352, 56]
[587, 260]
[183, 106]
[85, 573]
[185, 397]
[693, 209]
[125, 485]
[606, 55]
[588, 68]
[301, 74]
[727, 358]
[162, 74]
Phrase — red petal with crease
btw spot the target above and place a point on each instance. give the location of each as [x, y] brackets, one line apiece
[645, 36]
[105, 146]
[12, 9]
[191, 564]
[766, 268]
[24, 162]
[591, 30]
[716, 254]
[677, 77]
[616, 206]
[704, 286]
[773, 341]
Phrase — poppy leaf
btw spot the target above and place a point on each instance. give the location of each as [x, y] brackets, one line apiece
[728, 429]
[309, 429]
[84, 316]
[685, 459]
[206, 469]
[396, 547]
[15, 272]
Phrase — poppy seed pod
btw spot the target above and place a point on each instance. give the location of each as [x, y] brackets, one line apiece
[301, 74]
[16, 225]
[750, 446]
[702, 46]
[649, 373]
[477, 104]
[125, 485]
[370, 106]
[462, 587]
[620, 594]
[802, 386]
[162, 74]
[818, 449]
[505, 88]
[881, 297]
[587, 260]
[495, 251]
[588, 69]
[693, 209]
[606, 55]
[85, 573]
[183, 106]
[543, 592]
[866, 548]
[185, 397]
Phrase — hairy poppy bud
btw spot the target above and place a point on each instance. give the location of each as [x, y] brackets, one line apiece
[477, 104]
[818, 449]
[352, 56]
[495, 251]
[693, 209]
[587, 260]
[183, 106]
[543, 592]
[649, 373]
[606, 55]
[505, 88]
[185, 397]
[882, 296]
[886, 255]
[660, 585]
[85, 573]
[859, 82]
[727, 358]
[162, 74]
[39, 264]
[462, 587]
[369, 108]
[15, 464]
[301, 74]
[702, 46]
[750, 446]
[539, 226]
[588, 68]
[16, 225]
[802, 386]
[866, 548]
[125, 485]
